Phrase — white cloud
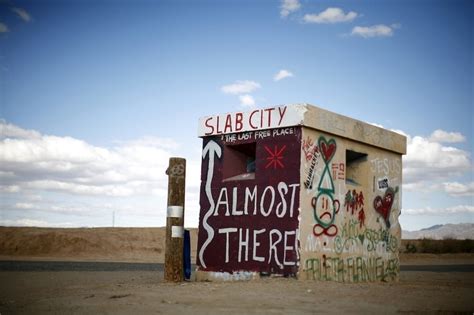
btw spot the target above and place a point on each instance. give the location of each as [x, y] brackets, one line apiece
[282, 74]
[289, 6]
[427, 161]
[4, 28]
[330, 16]
[442, 211]
[35, 223]
[22, 14]
[456, 189]
[24, 205]
[379, 30]
[41, 162]
[446, 137]
[8, 130]
[240, 87]
[246, 100]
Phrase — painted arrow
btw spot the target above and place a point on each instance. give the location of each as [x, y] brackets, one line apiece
[210, 149]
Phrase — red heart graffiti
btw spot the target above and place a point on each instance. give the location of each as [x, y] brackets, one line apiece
[384, 205]
[327, 148]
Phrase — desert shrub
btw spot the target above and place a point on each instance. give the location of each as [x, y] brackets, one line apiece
[448, 245]
[410, 248]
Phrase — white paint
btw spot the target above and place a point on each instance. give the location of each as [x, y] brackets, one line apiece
[234, 276]
[286, 248]
[175, 212]
[244, 243]
[257, 244]
[177, 231]
[251, 196]
[273, 247]
[210, 149]
[227, 231]
[258, 119]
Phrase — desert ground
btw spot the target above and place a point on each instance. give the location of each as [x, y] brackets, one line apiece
[124, 292]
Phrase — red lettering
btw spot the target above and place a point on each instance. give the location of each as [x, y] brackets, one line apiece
[238, 121]
[282, 114]
[217, 126]
[228, 123]
[250, 119]
[269, 110]
[209, 126]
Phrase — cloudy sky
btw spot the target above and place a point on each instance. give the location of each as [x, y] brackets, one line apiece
[96, 96]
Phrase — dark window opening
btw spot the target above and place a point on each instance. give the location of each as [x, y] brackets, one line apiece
[239, 161]
[354, 171]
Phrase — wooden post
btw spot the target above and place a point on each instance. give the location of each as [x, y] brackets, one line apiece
[175, 220]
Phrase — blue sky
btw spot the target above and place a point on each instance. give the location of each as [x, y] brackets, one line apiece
[96, 95]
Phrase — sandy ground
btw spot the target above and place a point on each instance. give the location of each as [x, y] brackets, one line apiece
[126, 292]
[145, 292]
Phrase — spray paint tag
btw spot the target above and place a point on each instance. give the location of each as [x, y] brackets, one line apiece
[382, 183]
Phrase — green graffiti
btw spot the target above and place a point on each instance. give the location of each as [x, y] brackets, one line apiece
[352, 269]
[352, 234]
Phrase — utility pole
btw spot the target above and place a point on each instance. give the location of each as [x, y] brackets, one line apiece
[175, 220]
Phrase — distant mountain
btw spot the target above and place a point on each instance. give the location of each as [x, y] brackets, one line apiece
[441, 231]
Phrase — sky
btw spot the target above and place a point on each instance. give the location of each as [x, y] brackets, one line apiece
[95, 96]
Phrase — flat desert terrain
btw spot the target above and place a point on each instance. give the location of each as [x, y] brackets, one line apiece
[125, 292]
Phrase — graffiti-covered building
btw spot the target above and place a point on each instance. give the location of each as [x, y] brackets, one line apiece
[298, 191]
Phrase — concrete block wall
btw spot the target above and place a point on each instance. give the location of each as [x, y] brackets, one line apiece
[299, 191]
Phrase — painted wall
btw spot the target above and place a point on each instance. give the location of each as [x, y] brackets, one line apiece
[249, 222]
[349, 211]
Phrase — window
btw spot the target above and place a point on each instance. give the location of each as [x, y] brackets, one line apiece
[239, 161]
[354, 169]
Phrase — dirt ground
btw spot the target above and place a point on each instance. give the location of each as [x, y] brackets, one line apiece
[145, 292]
[125, 292]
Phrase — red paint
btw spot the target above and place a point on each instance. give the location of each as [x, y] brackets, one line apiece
[258, 217]
[209, 126]
[327, 149]
[384, 205]
[238, 122]
[251, 119]
[274, 158]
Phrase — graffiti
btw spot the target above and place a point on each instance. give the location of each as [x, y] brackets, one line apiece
[254, 135]
[309, 148]
[285, 240]
[383, 205]
[352, 269]
[251, 197]
[355, 202]
[237, 122]
[352, 237]
[176, 170]
[385, 166]
[308, 183]
[338, 171]
[250, 224]
[382, 183]
[325, 207]
[211, 149]
[274, 157]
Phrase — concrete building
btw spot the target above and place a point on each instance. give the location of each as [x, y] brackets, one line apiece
[299, 191]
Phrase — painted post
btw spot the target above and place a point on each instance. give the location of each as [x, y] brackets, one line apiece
[175, 220]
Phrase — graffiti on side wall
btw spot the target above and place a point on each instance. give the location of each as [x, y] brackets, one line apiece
[352, 239]
[352, 269]
[325, 207]
[383, 204]
[354, 202]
